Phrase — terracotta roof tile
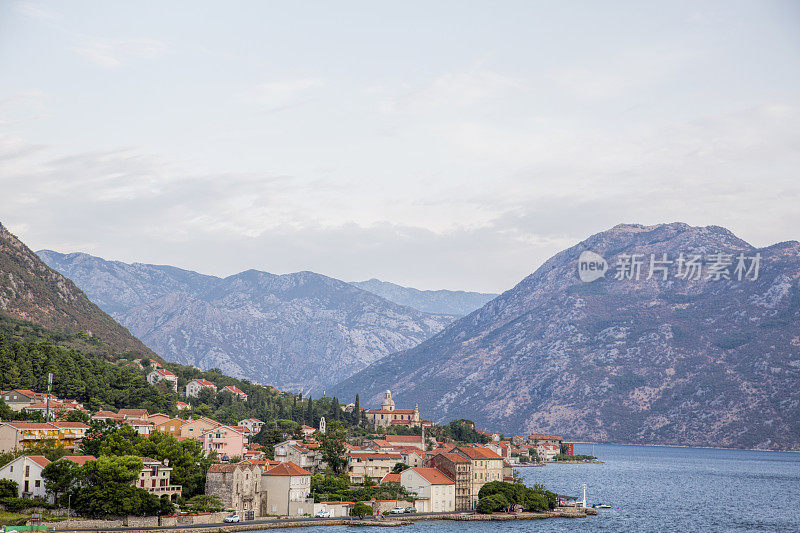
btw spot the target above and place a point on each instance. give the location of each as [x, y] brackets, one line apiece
[432, 475]
[40, 460]
[286, 469]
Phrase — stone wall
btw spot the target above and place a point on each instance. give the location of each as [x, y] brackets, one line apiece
[141, 521]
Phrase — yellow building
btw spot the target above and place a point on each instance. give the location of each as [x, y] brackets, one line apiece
[20, 435]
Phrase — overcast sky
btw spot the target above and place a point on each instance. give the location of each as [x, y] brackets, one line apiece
[434, 144]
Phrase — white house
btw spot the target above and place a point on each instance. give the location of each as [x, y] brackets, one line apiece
[237, 392]
[160, 374]
[26, 470]
[253, 425]
[194, 387]
[436, 492]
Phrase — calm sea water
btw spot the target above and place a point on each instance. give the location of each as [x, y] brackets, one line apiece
[657, 489]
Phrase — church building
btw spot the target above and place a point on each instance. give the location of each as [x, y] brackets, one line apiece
[387, 415]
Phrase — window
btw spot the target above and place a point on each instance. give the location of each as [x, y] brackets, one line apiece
[37, 483]
[27, 470]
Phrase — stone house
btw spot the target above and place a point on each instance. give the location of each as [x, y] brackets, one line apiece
[459, 469]
[238, 487]
[299, 453]
[486, 466]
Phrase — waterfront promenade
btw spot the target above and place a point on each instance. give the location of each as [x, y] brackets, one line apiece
[279, 523]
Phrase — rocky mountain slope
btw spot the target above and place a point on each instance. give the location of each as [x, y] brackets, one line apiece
[712, 362]
[442, 302]
[300, 331]
[31, 291]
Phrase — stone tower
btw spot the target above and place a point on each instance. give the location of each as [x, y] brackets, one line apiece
[388, 403]
[322, 425]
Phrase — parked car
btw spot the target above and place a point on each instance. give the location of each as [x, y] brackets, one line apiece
[410, 509]
[322, 513]
[233, 518]
[397, 510]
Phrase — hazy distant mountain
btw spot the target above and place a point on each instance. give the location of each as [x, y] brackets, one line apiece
[683, 361]
[300, 331]
[441, 302]
[31, 291]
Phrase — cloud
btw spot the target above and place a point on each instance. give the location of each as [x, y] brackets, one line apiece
[36, 10]
[277, 94]
[112, 53]
[448, 90]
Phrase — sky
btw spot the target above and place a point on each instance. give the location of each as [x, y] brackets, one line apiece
[442, 144]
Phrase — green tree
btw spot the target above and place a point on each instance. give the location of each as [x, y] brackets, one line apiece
[110, 470]
[332, 445]
[59, 477]
[8, 488]
[361, 510]
[492, 504]
[399, 467]
[205, 503]
[357, 412]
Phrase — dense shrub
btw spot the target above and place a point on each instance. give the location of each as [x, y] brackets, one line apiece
[492, 504]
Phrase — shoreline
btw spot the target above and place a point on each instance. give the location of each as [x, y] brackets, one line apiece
[686, 446]
[277, 523]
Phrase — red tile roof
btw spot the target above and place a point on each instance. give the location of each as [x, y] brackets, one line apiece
[391, 478]
[137, 413]
[454, 457]
[80, 459]
[31, 425]
[475, 452]
[78, 425]
[374, 455]
[403, 438]
[286, 469]
[540, 436]
[432, 475]
[221, 468]
[40, 460]
[234, 389]
[164, 372]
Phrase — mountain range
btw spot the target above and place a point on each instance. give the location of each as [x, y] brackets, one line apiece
[301, 331]
[630, 357]
[441, 302]
[31, 291]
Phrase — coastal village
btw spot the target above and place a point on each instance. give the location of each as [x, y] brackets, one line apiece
[251, 481]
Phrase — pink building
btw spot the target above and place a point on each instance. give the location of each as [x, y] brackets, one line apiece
[227, 441]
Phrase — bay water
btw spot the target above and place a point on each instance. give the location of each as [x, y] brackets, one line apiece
[656, 488]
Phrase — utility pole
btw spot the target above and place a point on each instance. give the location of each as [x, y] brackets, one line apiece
[49, 388]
